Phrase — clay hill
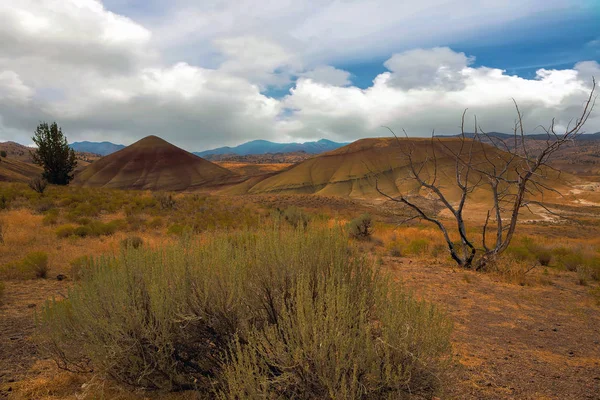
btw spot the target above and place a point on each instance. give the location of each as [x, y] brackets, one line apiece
[351, 171]
[18, 164]
[154, 164]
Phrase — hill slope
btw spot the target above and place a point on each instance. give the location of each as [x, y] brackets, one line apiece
[14, 170]
[351, 171]
[265, 147]
[154, 164]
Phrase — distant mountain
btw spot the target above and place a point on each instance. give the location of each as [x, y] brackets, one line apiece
[265, 147]
[101, 148]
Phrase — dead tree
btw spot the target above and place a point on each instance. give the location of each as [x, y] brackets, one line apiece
[513, 172]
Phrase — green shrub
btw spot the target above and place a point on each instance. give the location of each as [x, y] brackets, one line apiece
[83, 231]
[176, 229]
[65, 231]
[33, 265]
[572, 261]
[1, 291]
[295, 217]
[417, 247]
[544, 257]
[165, 200]
[132, 242]
[51, 217]
[78, 267]
[361, 227]
[278, 313]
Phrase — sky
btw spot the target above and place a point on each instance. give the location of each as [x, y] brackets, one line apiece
[204, 74]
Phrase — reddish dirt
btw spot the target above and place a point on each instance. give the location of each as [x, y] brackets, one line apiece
[512, 341]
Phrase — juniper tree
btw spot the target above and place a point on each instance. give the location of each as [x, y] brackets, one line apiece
[53, 154]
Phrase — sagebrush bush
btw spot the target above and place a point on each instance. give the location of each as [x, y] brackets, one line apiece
[296, 217]
[33, 265]
[417, 247]
[277, 313]
[132, 241]
[1, 291]
[361, 227]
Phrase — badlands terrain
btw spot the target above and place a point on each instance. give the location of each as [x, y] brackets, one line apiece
[527, 327]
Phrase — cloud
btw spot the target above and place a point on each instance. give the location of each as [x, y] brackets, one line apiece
[72, 32]
[328, 74]
[104, 76]
[350, 113]
[419, 68]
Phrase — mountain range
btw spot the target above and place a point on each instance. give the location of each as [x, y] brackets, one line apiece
[266, 147]
[101, 148]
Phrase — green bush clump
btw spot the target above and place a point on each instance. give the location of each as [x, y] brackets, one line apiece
[1, 291]
[417, 247]
[33, 265]
[177, 229]
[277, 313]
[65, 231]
[51, 217]
[361, 227]
[132, 242]
[295, 217]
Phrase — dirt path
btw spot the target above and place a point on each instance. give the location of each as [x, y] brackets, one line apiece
[511, 341]
[17, 350]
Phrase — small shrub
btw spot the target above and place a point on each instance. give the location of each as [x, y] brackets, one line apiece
[51, 217]
[65, 231]
[33, 265]
[417, 247]
[361, 228]
[134, 242]
[3, 154]
[573, 261]
[37, 262]
[395, 250]
[83, 231]
[38, 184]
[165, 200]
[296, 217]
[1, 291]
[176, 230]
[544, 257]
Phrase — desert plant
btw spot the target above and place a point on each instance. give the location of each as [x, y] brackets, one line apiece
[33, 265]
[278, 312]
[165, 200]
[3, 154]
[417, 246]
[65, 231]
[544, 257]
[361, 227]
[296, 217]
[38, 184]
[2, 288]
[132, 242]
[54, 154]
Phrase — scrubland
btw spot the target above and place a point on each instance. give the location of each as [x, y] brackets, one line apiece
[131, 294]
